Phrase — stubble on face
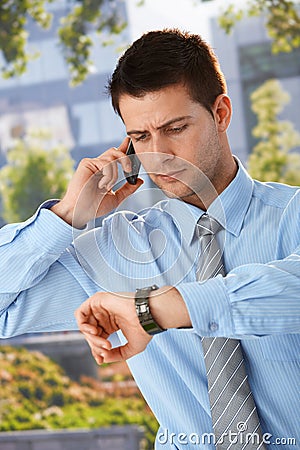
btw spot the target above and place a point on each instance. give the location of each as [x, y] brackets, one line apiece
[194, 164]
[195, 181]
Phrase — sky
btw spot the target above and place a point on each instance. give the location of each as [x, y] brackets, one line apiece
[189, 15]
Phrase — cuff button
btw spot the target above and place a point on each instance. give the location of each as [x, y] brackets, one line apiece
[213, 326]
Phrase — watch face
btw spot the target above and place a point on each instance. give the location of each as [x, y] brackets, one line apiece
[152, 328]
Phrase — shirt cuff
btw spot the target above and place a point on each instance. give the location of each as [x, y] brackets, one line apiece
[209, 307]
[49, 232]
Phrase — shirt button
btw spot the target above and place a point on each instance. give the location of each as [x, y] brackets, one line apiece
[213, 326]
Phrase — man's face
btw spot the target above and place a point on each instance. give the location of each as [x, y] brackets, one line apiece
[177, 142]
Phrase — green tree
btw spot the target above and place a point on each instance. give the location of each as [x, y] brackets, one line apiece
[282, 21]
[34, 172]
[84, 17]
[272, 159]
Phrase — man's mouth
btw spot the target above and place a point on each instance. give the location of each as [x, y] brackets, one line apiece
[173, 175]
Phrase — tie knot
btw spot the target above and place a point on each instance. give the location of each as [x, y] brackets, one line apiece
[207, 225]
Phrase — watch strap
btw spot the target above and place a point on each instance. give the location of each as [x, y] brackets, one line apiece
[143, 310]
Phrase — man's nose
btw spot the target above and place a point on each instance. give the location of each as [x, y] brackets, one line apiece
[161, 146]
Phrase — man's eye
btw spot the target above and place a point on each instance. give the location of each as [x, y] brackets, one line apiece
[177, 129]
[142, 137]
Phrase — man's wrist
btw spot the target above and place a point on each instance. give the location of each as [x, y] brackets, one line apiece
[66, 214]
[168, 308]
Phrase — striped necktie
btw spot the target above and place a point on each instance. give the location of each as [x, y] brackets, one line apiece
[234, 416]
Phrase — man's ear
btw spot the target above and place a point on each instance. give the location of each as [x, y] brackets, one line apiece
[222, 112]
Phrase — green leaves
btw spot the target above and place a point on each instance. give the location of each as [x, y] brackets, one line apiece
[14, 15]
[272, 159]
[36, 394]
[33, 173]
[282, 21]
[229, 18]
[85, 17]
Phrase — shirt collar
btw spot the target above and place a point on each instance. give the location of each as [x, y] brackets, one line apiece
[228, 209]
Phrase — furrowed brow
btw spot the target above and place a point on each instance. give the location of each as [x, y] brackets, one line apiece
[164, 125]
[172, 121]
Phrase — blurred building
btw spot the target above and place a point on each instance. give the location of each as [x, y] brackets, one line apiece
[82, 117]
[79, 117]
[247, 61]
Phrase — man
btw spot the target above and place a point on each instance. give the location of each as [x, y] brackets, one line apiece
[171, 95]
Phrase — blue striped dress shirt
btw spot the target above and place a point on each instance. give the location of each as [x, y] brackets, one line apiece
[47, 269]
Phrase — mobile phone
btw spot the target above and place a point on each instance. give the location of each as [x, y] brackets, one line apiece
[132, 176]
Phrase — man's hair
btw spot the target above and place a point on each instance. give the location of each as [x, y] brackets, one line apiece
[167, 57]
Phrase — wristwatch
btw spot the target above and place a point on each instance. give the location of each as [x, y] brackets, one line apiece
[143, 310]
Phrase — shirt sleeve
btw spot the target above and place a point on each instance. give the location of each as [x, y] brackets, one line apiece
[37, 274]
[252, 300]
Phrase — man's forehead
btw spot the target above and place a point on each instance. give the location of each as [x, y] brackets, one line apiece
[155, 109]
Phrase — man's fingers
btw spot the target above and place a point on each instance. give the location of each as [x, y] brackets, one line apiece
[104, 313]
[100, 348]
[126, 190]
[113, 355]
[86, 321]
[88, 329]
[109, 170]
[124, 145]
[109, 175]
[97, 343]
[83, 314]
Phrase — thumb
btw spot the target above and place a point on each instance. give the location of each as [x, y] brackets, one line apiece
[127, 189]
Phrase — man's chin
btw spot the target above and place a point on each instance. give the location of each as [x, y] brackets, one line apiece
[179, 191]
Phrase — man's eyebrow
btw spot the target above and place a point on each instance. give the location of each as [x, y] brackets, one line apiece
[166, 124]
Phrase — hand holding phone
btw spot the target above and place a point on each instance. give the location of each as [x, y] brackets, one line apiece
[132, 176]
[89, 193]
